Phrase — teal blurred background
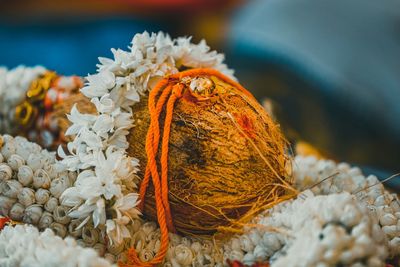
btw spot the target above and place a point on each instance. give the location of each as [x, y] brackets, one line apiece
[331, 69]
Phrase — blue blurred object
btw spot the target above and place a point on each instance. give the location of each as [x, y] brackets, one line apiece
[70, 47]
[333, 70]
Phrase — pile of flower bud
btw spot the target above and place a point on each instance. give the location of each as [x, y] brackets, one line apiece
[384, 205]
[341, 218]
[183, 251]
[31, 185]
[23, 245]
[327, 230]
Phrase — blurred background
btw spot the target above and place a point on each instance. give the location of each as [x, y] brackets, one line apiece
[329, 70]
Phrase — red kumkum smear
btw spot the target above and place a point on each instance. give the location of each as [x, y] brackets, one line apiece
[246, 124]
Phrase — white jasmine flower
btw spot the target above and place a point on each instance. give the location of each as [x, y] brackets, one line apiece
[71, 197]
[125, 206]
[103, 104]
[108, 64]
[71, 161]
[79, 121]
[123, 58]
[122, 120]
[90, 138]
[117, 230]
[99, 84]
[118, 139]
[103, 124]
[92, 208]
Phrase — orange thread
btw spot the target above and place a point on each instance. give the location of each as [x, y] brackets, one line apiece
[170, 94]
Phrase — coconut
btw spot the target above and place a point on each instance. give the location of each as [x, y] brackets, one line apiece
[226, 156]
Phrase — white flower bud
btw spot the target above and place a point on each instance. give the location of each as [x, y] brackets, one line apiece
[51, 204]
[46, 220]
[90, 235]
[59, 229]
[22, 148]
[73, 228]
[149, 227]
[25, 175]
[196, 247]
[183, 255]
[42, 196]
[26, 196]
[138, 240]
[58, 186]
[5, 172]
[116, 249]
[388, 219]
[10, 188]
[60, 215]
[17, 212]
[8, 149]
[246, 244]
[34, 162]
[184, 241]
[50, 170]
[155, 235]
[5, 205]
[390, 230]
[41, 179]
[15, 161]
[146, 255]
[33, 214]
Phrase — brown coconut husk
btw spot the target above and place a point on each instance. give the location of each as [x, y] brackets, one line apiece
[227, 158]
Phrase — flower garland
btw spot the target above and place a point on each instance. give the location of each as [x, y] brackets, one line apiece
[28, 96]
[13, 86]
[107, 174]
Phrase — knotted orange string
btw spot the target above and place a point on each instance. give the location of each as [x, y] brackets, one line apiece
[168, 91]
